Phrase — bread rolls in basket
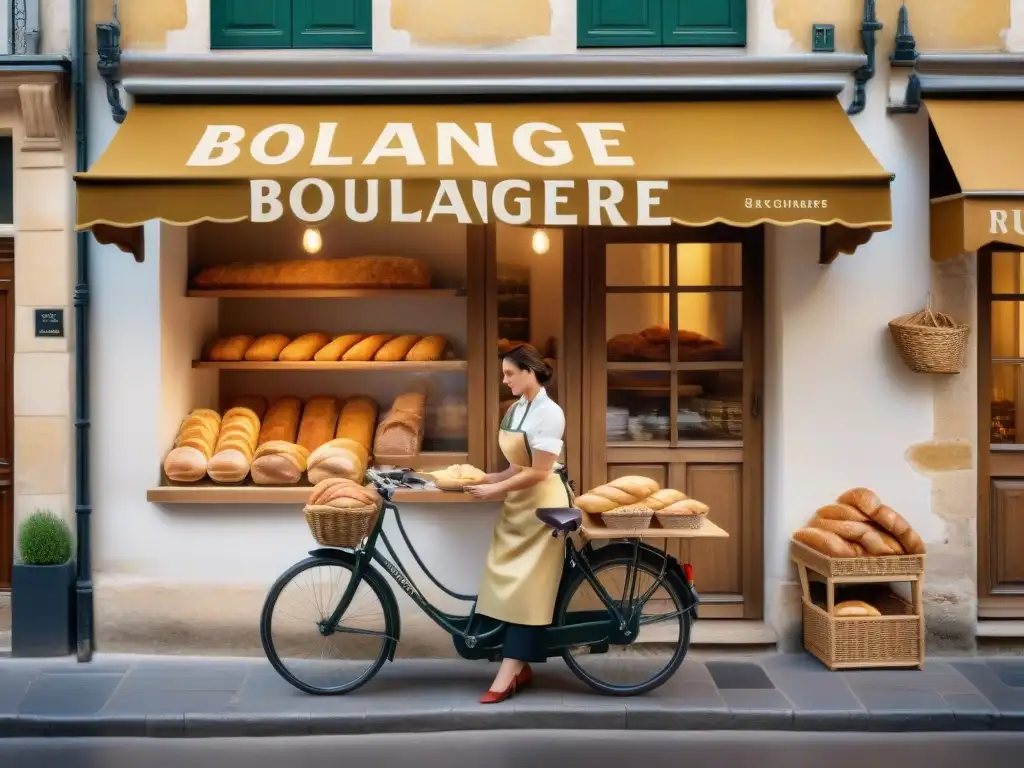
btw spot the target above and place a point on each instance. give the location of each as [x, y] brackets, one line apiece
[858, 524]
[341, 513]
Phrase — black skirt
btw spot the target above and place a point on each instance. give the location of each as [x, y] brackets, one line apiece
[524, 643]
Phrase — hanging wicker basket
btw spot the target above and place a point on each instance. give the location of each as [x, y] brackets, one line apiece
[930, 342]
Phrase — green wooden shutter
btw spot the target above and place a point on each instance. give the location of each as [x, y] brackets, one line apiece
[618, 23]
[332, 24]
[250, 24]
[704, 22]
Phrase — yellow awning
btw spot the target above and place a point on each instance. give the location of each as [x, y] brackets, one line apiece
[982, 141]
[742, 163]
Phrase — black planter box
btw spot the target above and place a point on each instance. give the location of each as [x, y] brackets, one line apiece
[43, 610]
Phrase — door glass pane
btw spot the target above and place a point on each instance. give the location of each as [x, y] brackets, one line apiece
[710, 405]
[1007, 273]
[710, 326]
[638, 406]
[637, 264]
[636, 325]
[700, 264]
[1006, 399]
[1006, 336]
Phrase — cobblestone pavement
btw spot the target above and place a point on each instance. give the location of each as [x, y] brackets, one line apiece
[126, 696]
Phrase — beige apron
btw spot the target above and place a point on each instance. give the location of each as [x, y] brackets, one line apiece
[524, 563]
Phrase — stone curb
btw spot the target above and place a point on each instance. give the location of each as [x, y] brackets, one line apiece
[604, 718]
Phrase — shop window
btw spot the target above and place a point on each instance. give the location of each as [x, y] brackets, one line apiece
[259, 24]
[661, 23]
[1006, 343]
[6, 181]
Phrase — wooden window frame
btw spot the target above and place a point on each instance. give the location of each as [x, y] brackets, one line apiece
[296, 38]
[662, 35]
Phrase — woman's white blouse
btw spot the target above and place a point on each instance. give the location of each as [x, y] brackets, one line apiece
[544, 424]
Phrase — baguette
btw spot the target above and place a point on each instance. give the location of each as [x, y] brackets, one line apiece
[340, 457]
[303, 348]
[875, 541]
[365, 350]
[231, 348]
[683, 507]
[334, 351]
[396, 349]
[266, 348]
[864, 499]
[236, 446]
[278, 462]
[829, 543]
[855, 608]
[319, 420]
[188, 459]
[664, 498]
[427, 349]
[358, 421]
[282, 421]
[841, 512]
[620, 492]
[889, 519]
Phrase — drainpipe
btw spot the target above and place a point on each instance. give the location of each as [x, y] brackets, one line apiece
[83, 500]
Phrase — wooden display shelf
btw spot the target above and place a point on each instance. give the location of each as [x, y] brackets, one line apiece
[695, 365]
[436, 366]
[247, 495]
[320, 293]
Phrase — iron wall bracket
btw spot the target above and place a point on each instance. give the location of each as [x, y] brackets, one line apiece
[108, 62]
[904, 56]
[869, 27]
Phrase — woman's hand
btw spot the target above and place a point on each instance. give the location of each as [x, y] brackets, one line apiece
[485, 492]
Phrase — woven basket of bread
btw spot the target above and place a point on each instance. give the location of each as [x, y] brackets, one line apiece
[930, 342]
[341, 513]
[685, 513]
[892, 639]
[631, 517]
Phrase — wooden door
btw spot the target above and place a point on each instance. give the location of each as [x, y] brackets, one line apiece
[687, 414]
[1001, 434]
[6, 412]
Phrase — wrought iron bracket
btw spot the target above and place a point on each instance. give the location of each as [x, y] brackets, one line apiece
[904, 56]
[108, 55]
[869, 27]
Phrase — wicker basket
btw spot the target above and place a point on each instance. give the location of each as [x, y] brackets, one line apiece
[891, 565]
[689, 522]
[930, 342]
[336, 527]
[629, 518]
[893, 639]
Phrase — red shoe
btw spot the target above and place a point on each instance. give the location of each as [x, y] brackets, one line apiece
[525, 677]
[496, 697]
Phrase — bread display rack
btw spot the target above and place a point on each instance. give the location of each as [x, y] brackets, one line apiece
[894, 639]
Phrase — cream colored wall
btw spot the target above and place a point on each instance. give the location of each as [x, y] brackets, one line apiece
[549, 26]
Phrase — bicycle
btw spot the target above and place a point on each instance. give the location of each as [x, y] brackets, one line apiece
[605, 627]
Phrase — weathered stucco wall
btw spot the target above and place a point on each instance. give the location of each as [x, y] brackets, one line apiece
[549, 26]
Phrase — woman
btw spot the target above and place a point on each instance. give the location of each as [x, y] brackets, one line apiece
[524, 563]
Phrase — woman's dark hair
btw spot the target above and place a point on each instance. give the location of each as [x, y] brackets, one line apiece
[527, 358]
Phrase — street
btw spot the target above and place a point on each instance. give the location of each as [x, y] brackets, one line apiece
[567, 749]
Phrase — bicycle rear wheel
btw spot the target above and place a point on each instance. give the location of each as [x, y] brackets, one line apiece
[664, 637]
[296, 608]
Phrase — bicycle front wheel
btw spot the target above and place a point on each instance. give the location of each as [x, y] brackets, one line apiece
[664, 636]
[295, 612]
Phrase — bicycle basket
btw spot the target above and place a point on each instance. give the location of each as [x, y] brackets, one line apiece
[340, 526]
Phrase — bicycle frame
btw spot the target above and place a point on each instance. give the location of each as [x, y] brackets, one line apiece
[618, 628]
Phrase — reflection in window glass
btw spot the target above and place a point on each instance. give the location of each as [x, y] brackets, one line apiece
[638, 406]
[710, 405]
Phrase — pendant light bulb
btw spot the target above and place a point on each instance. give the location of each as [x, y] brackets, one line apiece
[311, 240]
[541, 242]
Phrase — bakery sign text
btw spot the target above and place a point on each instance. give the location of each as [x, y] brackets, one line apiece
[512, 201]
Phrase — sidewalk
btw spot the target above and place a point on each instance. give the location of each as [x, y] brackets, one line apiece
[129, 696]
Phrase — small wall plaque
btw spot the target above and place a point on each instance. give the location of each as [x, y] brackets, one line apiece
[49, 322]
[823, 39]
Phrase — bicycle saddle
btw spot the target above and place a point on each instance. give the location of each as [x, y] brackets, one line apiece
[563, 519]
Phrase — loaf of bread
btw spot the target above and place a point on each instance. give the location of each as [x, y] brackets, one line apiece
[319, 420]
[354, 272]
[427, 349]
[266, 348]
[867, 501]
[343, 494]
[278, 462]
[617, 493]
[358, 421]
[230, 349]
[333, 351]
[396, 349]
[367, 348]
[829, 543]
[457, 476]
[840, 511]
[255, 403]
[400, 432]
[340, 457]
[236, 446]
[663, 498]
[282, 421]
[855, 608]
[303, 348]
[194, 444]
[874, 540]
[682, 507]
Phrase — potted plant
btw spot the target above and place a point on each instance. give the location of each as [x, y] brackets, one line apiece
[42, 588]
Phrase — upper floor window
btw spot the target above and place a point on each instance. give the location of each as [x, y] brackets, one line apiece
[661, 23]
[290, 24]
